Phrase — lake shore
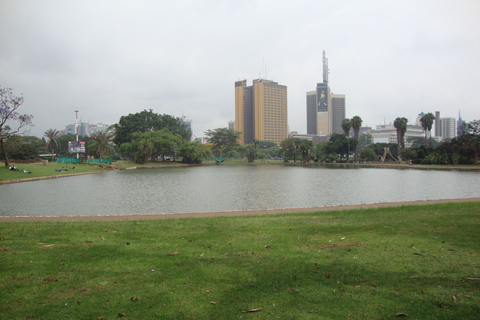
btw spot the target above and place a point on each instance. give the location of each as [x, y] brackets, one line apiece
[472, 168]
[229, 213]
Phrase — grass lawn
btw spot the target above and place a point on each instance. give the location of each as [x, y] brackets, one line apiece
[40, 170]
[420, 261]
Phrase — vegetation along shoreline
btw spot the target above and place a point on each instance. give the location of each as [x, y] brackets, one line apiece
[170, 164]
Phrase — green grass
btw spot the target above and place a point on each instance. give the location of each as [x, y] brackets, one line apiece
[40, 170]
[356, 264]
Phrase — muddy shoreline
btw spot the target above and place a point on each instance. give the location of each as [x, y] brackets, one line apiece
[229, 213]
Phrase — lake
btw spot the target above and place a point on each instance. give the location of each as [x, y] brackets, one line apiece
[229, 187]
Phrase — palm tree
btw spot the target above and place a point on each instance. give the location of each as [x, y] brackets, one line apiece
[346, 126]
[99, 144]
[145, 150]
[427, 123]
[51, 136]
[356, 124]
[401, 125]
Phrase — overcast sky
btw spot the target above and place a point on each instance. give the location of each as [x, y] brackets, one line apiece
[111, 58]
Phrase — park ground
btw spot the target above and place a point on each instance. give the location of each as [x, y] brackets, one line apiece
[406, 261]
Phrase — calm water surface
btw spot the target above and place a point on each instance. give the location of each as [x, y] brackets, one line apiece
[224, 188]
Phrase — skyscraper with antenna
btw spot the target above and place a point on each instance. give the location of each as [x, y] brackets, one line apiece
[325, 67]
[325, 110]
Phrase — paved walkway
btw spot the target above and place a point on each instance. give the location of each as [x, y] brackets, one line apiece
[230, 213]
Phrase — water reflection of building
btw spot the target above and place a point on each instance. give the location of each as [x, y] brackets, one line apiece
[261, 111]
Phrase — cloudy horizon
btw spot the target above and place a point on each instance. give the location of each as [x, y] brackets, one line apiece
[108, 59]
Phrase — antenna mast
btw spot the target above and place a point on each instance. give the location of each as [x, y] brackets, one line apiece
[76, 130]
[325, 68]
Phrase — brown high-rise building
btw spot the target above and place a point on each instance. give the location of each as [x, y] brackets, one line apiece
[261, 111]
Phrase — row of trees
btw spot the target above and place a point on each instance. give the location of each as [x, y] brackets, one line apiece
[147, 136]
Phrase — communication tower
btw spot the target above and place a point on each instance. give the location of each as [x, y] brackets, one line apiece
[325, 68]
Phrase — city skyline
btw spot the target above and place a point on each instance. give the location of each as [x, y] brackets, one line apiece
[180, 58]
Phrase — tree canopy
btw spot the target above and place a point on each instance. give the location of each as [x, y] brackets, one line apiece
[145, 121]
[400, 124]
[194, 152]
[427, 123]
[346, 126]
[11, 121]
[223, 140]
[51, 136]
[356, 123]
[152, 144]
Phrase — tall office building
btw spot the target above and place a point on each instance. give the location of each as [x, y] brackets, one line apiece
[438, 126]
[338, 112]
[461, 126]
[445, 127]
[325, 111]
[448, 128]
[312, 112]
[261, 111]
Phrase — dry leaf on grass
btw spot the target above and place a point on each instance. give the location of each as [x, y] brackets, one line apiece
[252, 310]
[173, 253]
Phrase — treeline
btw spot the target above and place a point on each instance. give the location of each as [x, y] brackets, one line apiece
[147, 136]
[143, 136]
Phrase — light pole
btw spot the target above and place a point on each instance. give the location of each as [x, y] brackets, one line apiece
[348, 155]
[76, 132]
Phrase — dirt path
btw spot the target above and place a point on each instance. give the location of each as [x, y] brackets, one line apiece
[229, 213]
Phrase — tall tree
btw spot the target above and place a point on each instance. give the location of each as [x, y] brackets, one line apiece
[468, 144]
[98, 145]
[51, 136]
[306, 148]
[340, 145]
[289, 147]
[223, 140]
[151, 145]
[427, 124]
[23, 147]
[146, 121]
[194, 152]
[401, 125]
[9, 104]
[356, 124]
[346, 126]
